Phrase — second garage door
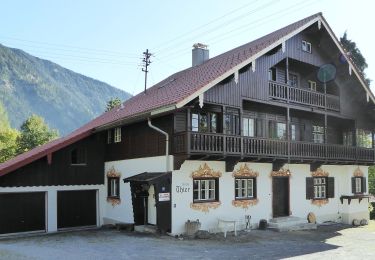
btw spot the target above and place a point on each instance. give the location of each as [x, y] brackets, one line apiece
[76, 208]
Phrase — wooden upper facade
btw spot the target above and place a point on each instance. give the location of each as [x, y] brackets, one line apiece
[271, 107]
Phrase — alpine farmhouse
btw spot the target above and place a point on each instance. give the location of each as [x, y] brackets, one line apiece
[281, 126]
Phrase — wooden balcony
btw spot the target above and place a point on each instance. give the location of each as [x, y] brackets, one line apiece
[194, 143]
[279, 91]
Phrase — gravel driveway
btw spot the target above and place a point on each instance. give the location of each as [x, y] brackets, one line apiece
[327, 242]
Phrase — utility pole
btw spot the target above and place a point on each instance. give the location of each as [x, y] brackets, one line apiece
[145, 63]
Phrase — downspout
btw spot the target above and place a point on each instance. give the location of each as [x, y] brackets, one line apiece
[166, 143]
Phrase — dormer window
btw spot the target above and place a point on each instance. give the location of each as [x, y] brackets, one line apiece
[306, 46]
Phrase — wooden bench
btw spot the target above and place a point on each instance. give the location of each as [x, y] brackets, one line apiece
[224, 224]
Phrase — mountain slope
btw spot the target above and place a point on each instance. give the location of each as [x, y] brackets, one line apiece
[64, 98]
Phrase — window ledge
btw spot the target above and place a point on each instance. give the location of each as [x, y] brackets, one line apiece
[245, 203]
[360, 197]
[205, 206]
[319, 202]
[114, 200]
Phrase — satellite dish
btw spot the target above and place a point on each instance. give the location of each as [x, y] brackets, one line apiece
[327, 73]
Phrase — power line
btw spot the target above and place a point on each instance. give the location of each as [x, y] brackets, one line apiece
[178, 52]
[204, 25]
[220, 26]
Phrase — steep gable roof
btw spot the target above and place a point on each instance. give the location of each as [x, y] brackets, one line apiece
[180, 88]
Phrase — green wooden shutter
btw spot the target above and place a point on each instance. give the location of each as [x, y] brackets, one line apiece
[363, 185]
[353, 185]
[309, 188]
[255, 187]
[330, 187]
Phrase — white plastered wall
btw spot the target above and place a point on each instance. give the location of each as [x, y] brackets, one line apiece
[123, 213]
[299, 206]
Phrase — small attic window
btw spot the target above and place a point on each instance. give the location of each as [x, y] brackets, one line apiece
[306, 46]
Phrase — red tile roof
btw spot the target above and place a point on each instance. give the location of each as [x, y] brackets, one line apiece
[169, 91]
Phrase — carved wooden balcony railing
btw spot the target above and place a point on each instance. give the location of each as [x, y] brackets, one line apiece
[280, 91]
[221, 144]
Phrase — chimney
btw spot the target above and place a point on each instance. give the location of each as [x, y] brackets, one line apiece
[200, 53]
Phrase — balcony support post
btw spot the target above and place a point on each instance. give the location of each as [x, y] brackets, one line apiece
[224, 132]
[287, 108]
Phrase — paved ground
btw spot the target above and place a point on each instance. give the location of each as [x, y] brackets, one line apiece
[328, 242]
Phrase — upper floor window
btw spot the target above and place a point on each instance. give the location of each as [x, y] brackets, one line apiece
[78, 156]
[318, 134]
[277, 130]
[248, 127]
[312, 85]
[204, 122]
[272, 74]
[293, 80]
[347, 138]
[293, 132]
[205, 189]
[244, 188]
[232, 123]
[117, 135]
[364, 138]
[306, 46]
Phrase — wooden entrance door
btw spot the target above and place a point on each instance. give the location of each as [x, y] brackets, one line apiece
[280, 196]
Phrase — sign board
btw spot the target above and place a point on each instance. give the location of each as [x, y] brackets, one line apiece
[164, 196]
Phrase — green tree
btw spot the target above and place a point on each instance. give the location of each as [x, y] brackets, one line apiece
[351, 47]
[113, 102]
[8, 137]
[371, 180]
[34, 132]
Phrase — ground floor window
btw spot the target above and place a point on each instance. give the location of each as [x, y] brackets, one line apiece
[320, 188]
[205, 189]
[358, 185]
[113, 187]
[244, 188]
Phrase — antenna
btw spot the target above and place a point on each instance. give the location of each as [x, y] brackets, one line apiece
[145, 63]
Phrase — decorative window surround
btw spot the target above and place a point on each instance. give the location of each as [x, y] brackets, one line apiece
[205, 172]
[245, 203]
[319, 173]
[281, 173]
[358, 172]
[112, 173]
[205, 206]
[245, 171]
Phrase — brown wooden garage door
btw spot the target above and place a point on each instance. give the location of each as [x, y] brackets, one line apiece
[22, 212]
[76, 208]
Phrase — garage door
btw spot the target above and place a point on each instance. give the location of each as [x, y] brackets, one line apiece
[22, 212]
[76, 208]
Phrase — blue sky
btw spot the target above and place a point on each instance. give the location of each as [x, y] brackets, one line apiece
[105, 39]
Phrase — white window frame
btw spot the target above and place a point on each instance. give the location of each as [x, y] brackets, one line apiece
[248, 126]
[293, 135]
[320, 188]
[318, 134]
[244, 188]
[306, 46]
[113, 187]
[117, 137]
[281, 131]
[312, 85]
[358, 185]
[206, 189]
